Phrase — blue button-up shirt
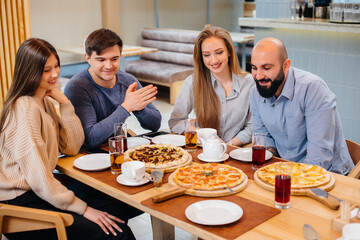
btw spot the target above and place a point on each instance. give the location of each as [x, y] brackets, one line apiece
[303, 122]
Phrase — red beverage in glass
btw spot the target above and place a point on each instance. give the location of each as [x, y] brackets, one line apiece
[124, 147]
[282, 188]
[258, 155]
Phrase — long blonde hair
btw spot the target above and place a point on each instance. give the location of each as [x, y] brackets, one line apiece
[30, 61]
[206, 103]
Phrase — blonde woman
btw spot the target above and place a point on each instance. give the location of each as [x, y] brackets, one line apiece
[31, 135]
[218, 91]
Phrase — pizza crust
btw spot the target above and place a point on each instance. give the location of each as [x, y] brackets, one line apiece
[158, 155]
[303, 175]
[211, 176]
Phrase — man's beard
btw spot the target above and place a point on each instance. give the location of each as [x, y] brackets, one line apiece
[269, 92]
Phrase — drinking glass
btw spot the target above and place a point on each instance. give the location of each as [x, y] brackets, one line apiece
[302, 5]
[116, 151]
[120, 131]
[348, 12]
[258, 150]
[191, 135]
[294, 8]
[356, 13]
[282, 185]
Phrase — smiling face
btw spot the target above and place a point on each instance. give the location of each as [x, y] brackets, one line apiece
[268, 69]
[49, 76]
[103, 67]
[215, 55]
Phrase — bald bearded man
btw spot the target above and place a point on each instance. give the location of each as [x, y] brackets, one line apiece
[296, 110]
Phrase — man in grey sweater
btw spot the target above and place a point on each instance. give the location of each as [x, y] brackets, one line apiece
[103, 95]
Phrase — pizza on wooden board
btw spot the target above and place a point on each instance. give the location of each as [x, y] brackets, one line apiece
[210, 176]
[303, 175]
[158, 155]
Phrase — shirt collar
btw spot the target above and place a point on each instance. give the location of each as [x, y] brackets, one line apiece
[288, 90]
[235, 85]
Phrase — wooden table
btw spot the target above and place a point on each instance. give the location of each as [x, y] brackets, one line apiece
[286, 225]
[127, 51]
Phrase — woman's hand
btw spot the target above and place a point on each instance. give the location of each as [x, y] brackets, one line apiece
[103, 219]
[57, 95]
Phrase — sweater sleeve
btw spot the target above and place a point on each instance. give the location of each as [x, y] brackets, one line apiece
[35, 162]
[71, 134]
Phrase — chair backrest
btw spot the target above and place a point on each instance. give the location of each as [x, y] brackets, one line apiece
[354, 150]
[18, 219]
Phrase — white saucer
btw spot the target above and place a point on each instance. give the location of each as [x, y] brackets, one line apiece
[223, 158]
[120, 179]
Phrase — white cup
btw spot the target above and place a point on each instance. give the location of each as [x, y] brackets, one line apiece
[351, 231]
[206, 133]
[133, 170]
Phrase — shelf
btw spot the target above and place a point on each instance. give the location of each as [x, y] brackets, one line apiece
[306, 24]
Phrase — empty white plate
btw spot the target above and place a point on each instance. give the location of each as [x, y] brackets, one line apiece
[245, 154]
[133, 142]
[204, 159]
[213, 212]
[177, 140]
[93, 162]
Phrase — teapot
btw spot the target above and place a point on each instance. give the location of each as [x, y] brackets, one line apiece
[213, 148]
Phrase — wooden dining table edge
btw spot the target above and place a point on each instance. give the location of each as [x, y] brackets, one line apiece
[65, 165]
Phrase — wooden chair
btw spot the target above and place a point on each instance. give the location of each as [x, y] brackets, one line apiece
[19, 219]
[354, 150]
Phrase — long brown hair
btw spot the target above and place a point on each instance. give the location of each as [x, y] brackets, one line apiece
[30, 61]
[206, 103]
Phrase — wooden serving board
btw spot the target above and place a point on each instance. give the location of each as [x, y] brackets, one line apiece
[296, 191]
[327, 201]
[178, 191]
[172, 169]
[213, 193]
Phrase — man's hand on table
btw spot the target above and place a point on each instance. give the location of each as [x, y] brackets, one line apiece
[273, 150]
[103, 219]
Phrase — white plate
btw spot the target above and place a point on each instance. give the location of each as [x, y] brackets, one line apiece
[213, 212]
[120, 179]
[204, 159]
[177, 140]
[245, 154]
[133, 142]
[93, 162]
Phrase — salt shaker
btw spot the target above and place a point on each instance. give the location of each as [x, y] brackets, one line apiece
[157, 177]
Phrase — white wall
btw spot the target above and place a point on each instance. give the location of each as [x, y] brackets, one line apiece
[64, 23]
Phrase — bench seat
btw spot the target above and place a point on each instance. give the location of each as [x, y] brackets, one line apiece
[169, 66]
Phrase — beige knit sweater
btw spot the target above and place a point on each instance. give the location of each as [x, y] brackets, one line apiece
[29, 149]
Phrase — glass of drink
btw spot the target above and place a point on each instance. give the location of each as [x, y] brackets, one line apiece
[120, 131]
[191, 135]
[116, 151]
[282, 185]
[258, 150]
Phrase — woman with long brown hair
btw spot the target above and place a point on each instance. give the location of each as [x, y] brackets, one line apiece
[31, 135]
[218, 91]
